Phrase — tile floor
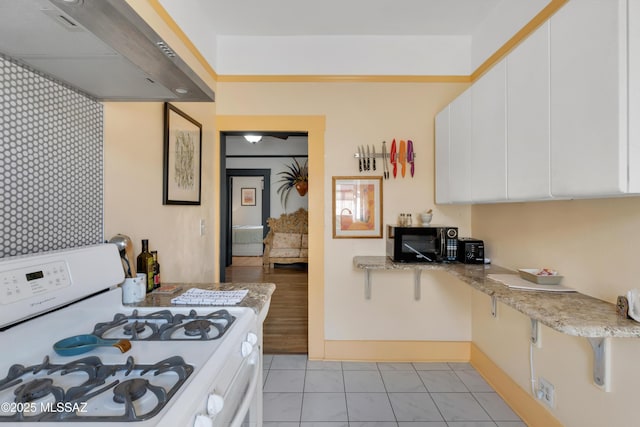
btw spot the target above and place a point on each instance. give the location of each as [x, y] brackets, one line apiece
[303, 393]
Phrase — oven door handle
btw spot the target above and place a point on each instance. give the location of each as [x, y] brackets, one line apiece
[254, 359]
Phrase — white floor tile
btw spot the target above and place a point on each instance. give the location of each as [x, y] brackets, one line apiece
[496, 407]
[431, 366]
[459, 407]
[473, 380]
[385, 366]
[282, 406]
[324, 424]
[363, 381]
[324, 365]
[324, 381]
[324, 407]
[303, 393]
[402, 381]
[285, 381]
[374, 424]
[414, 407]
[472, 424]
[422, 424]
[442, 382]
[289, 361]
[369, 407]
[460, 366]
[359, 366]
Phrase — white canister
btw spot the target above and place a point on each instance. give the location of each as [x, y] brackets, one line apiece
[134, 289]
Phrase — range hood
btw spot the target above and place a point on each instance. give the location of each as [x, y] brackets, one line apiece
[101, 47]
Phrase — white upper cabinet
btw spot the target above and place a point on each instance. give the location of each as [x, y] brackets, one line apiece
[528, 172]
[460, 149]
[489, 137]
[634, 94]
[558, 118]
[442, 156]
[589, 151]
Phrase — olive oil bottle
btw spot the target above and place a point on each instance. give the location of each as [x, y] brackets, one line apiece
[145, 264]
[156, 270]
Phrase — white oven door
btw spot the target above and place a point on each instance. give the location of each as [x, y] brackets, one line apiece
[236, 405]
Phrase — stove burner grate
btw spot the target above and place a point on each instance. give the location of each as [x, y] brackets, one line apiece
[124, 392]
[162, 326]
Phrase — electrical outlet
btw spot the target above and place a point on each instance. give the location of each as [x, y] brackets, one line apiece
[546, 392]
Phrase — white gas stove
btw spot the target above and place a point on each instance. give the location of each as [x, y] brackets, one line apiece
[186, 365]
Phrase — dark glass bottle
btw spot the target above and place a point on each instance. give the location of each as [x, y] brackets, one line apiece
[145, 264]
[156, 270]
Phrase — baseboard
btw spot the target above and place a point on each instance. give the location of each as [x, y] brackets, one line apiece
[398, 351]
[522, 403]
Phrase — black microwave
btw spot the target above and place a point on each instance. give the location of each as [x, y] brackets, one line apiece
[422, 244]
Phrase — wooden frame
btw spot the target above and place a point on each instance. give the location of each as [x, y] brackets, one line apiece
[357, 207]
[247, 196]
[182, 159]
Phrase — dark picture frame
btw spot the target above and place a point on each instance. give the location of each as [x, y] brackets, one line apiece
[357, 207]
[182, 158]
[247, 196]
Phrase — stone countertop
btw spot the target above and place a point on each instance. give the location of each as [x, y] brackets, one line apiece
[571, 313]
[258, 296]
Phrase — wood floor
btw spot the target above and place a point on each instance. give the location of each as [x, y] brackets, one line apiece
[285, 328]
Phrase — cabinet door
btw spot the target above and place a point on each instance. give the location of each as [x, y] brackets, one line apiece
[528, 164]
[489, 138]
[460, 149]
[588, 99]
[442, 157]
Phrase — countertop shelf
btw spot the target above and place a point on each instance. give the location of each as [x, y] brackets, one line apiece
[570, 313]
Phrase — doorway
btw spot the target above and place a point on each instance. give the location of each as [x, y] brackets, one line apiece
[256, 182]
[314, 126]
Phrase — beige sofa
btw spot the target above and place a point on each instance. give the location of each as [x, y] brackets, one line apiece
[287, 241]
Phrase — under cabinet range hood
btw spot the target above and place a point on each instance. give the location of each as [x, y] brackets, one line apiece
[100, 47]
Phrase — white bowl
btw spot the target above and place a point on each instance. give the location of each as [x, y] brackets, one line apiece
[425, 218]
[531, 274]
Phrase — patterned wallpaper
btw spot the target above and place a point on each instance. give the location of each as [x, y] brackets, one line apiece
[51, 173]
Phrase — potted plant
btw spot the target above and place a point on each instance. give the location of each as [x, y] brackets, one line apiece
[296, 176]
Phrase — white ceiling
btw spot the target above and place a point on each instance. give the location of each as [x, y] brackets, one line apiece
[346, 17]
[349, 37]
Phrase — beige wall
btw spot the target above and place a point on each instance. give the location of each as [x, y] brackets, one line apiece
[133, 189]
[364, 113]
[593, 244]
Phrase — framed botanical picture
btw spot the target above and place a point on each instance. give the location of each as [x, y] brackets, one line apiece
[182, 170]
[247, 196]
[357, 207]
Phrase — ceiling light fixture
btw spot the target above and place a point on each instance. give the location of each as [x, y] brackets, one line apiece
[253, 139]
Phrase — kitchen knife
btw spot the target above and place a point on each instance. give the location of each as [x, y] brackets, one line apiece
[403, 157]
[368, 158]
[394, 158]
[373, 148]
[359, 160]
[410, 158]
[385, 166]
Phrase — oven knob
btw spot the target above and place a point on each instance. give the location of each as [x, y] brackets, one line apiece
[215, 403]
[246, 349]
[252, 338]
[203, 421]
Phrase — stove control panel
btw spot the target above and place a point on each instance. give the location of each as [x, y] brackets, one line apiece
[27, 282]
